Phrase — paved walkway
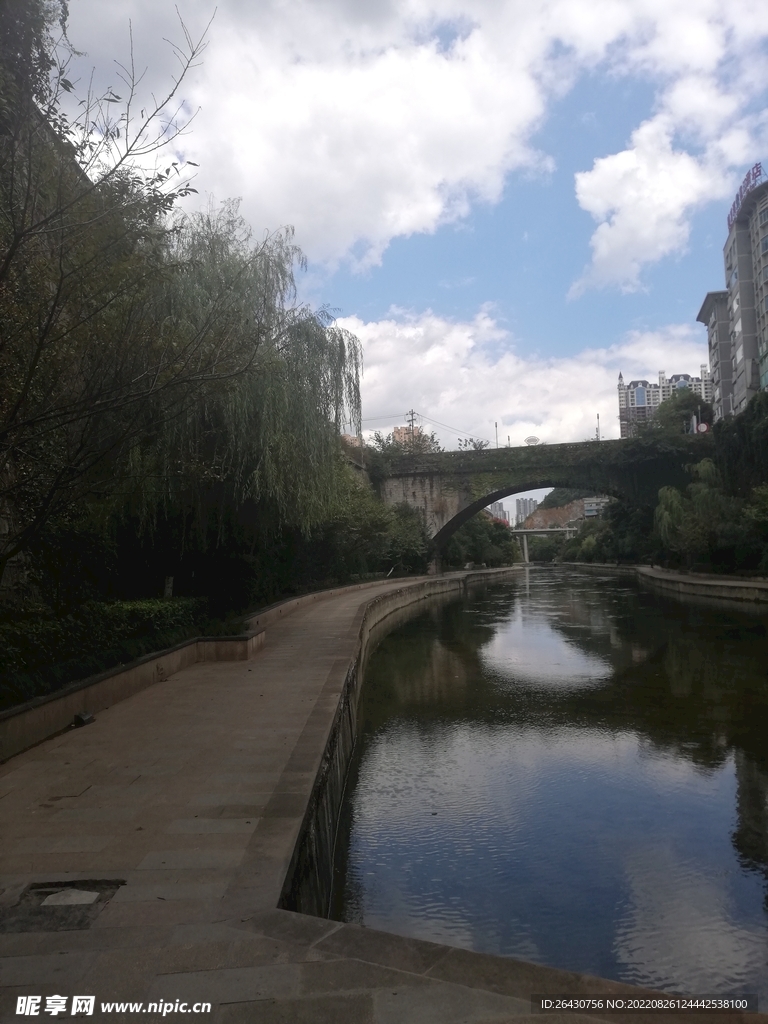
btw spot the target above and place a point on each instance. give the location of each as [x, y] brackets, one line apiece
[192, 792]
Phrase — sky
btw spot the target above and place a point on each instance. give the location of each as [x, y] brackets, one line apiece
[508, 202]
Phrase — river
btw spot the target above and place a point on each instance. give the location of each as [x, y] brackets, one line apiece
[572, 770]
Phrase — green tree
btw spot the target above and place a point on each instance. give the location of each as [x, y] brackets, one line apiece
[705, 525]
[674, 416]
[81, 238]
[145, 358]
[481, 540]
[561, 496]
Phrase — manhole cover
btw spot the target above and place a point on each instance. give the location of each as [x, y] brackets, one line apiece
[59, 906]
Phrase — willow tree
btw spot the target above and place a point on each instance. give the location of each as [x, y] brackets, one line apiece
[140, 352]
[81, 243]
[265, 435]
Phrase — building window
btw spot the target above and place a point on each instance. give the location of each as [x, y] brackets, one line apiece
[764, 216]
[639, 396]
[764, 243]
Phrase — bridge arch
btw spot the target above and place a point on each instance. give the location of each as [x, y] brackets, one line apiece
[444, 534]
[450, 487]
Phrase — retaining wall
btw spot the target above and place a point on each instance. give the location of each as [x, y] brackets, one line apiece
[704, 585]
[27, 724]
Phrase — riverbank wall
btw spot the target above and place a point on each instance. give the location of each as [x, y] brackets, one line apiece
[309, 881]
[679, 583]
[683, 584]
[28, 724]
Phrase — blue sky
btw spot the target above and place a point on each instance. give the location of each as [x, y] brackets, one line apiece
[506, 202]
[520, 256]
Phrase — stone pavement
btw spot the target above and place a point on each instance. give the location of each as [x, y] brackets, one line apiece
[188, 797]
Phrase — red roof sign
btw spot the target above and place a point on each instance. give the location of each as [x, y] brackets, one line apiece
[752, 178]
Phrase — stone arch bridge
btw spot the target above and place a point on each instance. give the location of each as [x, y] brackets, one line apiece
[450, 487]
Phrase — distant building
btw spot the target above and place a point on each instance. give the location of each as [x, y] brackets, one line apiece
[404, 435]
[498, 511]
[595, 506]
[737, 318]
[524, 507]
[639, 400]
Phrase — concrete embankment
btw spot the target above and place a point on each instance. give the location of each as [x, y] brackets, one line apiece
[185, 808]
[687, 584]
[731, 588]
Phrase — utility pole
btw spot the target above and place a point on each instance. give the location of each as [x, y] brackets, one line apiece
[597, 432]
[497, 434]
[411, 417]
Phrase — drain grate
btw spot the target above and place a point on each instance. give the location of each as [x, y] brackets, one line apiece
[59, 906]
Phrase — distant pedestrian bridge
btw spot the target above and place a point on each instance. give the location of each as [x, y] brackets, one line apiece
[522, 535]
[450, 487]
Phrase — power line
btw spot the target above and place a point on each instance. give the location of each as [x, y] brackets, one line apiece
[428, 419]
[378, 419]
[454, 430]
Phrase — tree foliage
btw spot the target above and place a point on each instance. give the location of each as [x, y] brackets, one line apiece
[675, 415]
[145, 358]
[481, 540]
[558, 497]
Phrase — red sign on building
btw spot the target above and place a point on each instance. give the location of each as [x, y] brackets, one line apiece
[752, 178]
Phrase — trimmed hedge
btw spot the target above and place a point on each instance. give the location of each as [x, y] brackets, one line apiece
[40, 653]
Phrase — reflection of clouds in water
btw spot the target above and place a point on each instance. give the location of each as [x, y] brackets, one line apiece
[530, 650]
[433, 812]
[677, 933]
[471, 769]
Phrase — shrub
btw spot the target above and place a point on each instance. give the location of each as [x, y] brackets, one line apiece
[40, 652]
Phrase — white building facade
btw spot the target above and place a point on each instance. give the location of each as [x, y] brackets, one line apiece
[639, 400]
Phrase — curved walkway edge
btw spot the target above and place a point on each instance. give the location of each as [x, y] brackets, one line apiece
[182, 808]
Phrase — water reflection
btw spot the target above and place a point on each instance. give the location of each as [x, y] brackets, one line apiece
[573, 771]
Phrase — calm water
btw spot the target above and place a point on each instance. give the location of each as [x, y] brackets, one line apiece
[570, 770]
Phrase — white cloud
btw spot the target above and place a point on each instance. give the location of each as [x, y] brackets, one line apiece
[360, 122]
[643, 198]
[680, 931]
[467, 375]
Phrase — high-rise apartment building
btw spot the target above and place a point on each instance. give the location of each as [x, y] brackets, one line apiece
[639, 400]
[740, 367]
[524, 507]
[714, 315]
[498, 511]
